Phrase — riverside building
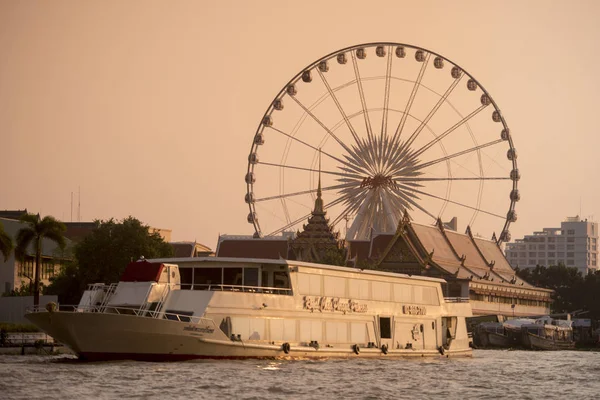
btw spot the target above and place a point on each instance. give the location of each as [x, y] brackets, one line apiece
[574, 244]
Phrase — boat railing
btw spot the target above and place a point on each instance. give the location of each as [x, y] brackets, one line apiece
[235, 288]
[456, 299]
[123, 311]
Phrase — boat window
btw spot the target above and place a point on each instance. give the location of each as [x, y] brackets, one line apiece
[250, 276]
[206, 276]
[265, 279]
[177, 315]
[385, 327]
[281, 280]
[232, 276]
[186, 278]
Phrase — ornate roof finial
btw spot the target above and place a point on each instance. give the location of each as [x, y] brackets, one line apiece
[319, 200]
[406, 217]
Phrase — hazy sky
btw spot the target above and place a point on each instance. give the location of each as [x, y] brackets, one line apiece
[150, 107]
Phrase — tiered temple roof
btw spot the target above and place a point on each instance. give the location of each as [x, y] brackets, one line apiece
[317, 237]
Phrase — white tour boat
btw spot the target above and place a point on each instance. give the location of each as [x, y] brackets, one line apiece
[189, 308]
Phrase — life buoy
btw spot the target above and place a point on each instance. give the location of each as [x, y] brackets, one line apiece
[356, 349]
[286, 348]
[441, 349]
[384, 348]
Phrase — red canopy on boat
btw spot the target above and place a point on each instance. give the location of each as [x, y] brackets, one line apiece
[142, 271]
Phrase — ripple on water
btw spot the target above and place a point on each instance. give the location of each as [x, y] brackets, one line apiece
[488, 375]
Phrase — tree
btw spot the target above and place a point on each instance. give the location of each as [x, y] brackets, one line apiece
[6, 243]
[567, 283]
[101, 257]
[36, 230]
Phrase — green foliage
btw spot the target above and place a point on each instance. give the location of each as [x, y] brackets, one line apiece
[6, 243]
[102, 256]
[33, 233]
[367, 264]
[26, 289]
[335, 257]
[572, 291]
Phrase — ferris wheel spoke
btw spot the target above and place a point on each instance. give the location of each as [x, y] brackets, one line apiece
[483, 178]
[449, 131]
[408, 198]
[318, 121]
[304, 217]
[362, 95]
[286, 195]
[441, 101]
[339, 106]
[411, 98]
[457, 203]
[386, 102]
[310, 170]
[458, 154]
[343, 214]
[368, 144]
[386, 95]
[316, 149]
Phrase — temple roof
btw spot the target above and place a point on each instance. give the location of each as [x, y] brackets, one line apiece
[462, 256]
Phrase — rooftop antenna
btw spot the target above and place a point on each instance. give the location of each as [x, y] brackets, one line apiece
[79, 206]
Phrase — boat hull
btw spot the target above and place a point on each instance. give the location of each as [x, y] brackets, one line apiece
[104, 336]
[539, 343]
[498, 340]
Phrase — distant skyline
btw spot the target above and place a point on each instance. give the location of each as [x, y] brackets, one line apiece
[150, 108]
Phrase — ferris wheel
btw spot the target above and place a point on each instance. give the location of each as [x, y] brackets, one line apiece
[383, 128]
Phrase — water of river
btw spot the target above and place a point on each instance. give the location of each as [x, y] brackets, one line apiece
[490, 374]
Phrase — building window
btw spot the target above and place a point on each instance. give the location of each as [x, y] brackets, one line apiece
[542, 247]
[560, 239]
[570, 262]
[551, 240]
[522, 254]
[551, 254]
[570, 254]
[570, 239]
[532, 254]
[551, 247]
[561, 253]
[570, 247]
[551, 262]
[532, 247]
[531, 262]
[541, 254]
[571, 232]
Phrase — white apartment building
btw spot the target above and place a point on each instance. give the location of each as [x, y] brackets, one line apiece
[574, 244]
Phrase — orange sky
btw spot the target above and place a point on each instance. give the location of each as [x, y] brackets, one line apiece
[150, 107]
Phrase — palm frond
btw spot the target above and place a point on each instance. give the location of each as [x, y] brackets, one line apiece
[25, 236]
[31, 219]
[57, 237]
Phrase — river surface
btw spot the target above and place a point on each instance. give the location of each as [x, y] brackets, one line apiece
[490, 374]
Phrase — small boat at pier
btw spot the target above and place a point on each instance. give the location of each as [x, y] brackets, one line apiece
[548, 334]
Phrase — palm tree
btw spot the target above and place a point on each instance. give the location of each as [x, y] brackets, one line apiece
[36, 230]
[6, 243]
